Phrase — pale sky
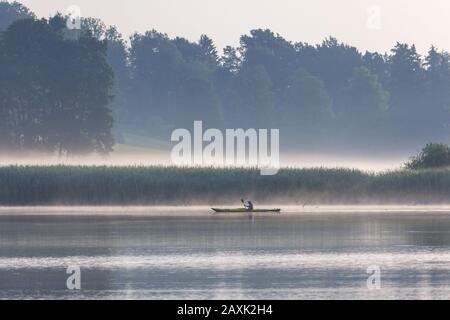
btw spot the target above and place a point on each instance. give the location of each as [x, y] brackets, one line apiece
[366, 24]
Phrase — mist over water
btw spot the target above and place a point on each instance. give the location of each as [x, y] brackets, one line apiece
[363, 162]
[191, 253]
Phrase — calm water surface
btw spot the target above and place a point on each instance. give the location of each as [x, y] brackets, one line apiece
[180, 255]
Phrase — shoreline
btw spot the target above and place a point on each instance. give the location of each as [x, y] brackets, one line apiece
[167, 186]
[205, 211]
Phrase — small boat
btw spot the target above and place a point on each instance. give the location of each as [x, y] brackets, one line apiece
[243, 210]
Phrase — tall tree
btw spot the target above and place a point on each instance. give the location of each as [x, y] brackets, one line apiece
[273, 52]
[406, 80]
[12, 11]
[378, 65]
[437, 93]
[57, 90]
[230, 60]
[252, 103]
[306, 107]
[364, 97]
[334, 64]
[208, 50]
[117, 58]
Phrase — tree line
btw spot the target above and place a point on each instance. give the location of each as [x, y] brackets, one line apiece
[60, 89]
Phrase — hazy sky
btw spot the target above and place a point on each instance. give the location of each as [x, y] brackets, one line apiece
[369, 25]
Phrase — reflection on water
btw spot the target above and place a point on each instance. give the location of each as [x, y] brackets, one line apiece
[205, 256]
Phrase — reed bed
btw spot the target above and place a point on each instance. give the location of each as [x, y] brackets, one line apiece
[105, 185]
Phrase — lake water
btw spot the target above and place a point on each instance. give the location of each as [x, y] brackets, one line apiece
[170, 253]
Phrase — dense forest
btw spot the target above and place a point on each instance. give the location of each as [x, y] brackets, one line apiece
[78, 91]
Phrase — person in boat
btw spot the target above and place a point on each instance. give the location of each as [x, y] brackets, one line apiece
[248, 205]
